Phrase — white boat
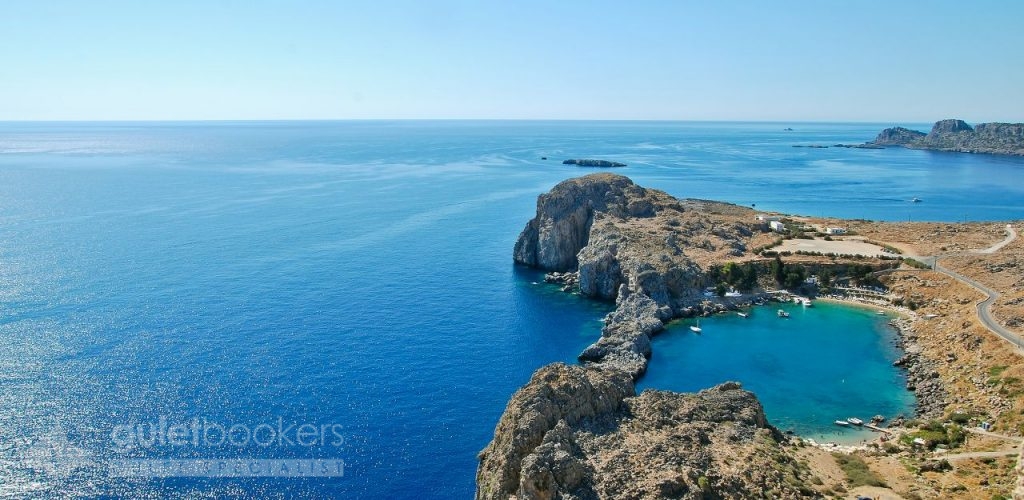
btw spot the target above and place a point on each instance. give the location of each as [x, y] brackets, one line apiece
[695, 328]
[806, 302]
[842, 423]
[880, 313]
[916, 199]
[783, 314]
[855, 421]
[742, 314]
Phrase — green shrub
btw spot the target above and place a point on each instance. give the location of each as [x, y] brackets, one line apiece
[857, 471]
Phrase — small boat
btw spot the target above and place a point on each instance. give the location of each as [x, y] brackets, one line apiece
[842, 423]
[695, 328]
[783, 314]
[855, 421]
[880, 313]
[915, 200]
[806, 302]
[742, 314]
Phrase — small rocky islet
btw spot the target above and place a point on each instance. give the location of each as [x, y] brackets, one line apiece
[593, 163]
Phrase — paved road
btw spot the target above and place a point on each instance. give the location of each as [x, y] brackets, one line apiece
[984, 307]
[1011, 234]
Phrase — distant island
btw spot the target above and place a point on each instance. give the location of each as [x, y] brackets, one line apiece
[593, 163]
[957, 136]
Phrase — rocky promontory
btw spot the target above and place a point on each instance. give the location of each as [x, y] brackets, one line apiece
[581, 431]
[576, 432]
[593, 163]
[958, 136]
[641, 248]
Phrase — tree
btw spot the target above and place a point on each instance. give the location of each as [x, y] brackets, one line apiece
[720, 289]
[825, 279]
[749, 277]
[778, 270]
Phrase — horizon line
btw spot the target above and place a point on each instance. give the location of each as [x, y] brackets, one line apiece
[653, 120]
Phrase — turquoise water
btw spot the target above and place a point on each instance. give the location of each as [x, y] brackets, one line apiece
[359, 274]
[821, 364]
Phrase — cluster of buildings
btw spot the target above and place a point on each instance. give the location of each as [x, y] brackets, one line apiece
[774, 223]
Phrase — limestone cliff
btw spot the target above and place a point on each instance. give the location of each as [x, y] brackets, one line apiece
[575, 432]
[958, 136]
[639, 247]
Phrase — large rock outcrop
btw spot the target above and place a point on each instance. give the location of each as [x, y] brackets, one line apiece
[639, 247]
[581, 433]
[561, 228]
[958, 136]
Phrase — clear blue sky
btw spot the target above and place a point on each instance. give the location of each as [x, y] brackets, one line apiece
[673, 59]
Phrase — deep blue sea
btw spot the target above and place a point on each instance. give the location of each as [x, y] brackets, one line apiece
[352, 282]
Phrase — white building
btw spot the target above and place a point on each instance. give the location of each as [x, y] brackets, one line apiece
[835, 230]
[777, 226]
[767, 218]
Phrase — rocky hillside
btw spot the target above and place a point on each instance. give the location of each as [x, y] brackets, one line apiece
[958, 136]
[575, 432]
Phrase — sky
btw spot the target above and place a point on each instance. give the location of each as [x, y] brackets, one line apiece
[857, 60]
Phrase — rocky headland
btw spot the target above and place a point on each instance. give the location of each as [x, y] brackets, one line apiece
[582, 431]
[638, 247]
[594, 163]
[958, 136]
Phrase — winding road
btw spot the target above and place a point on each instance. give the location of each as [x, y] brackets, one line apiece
[985, 306]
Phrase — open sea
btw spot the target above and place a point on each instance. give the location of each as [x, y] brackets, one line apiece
[263, 294]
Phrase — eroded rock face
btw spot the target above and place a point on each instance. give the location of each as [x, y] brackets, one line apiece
[714, 444]
[561, 228]
[556, 394]
[958, 136]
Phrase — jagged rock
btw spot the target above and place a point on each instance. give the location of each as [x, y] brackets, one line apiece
[552, 239]
[556, 393]
[655, 445]
[600, 273]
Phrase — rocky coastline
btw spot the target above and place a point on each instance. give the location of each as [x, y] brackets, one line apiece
[957, 136]
[922, 377]
[582, 431]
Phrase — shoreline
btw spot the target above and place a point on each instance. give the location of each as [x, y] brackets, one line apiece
[858, 443]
